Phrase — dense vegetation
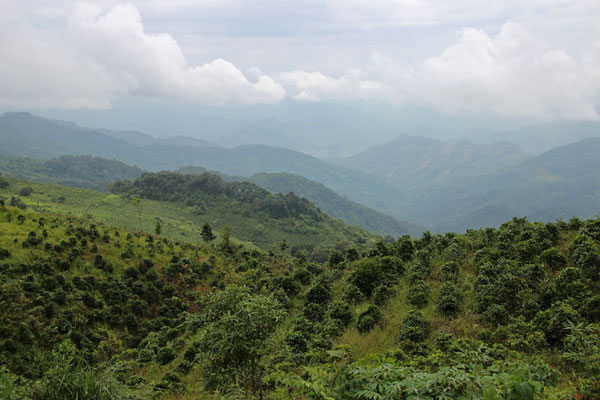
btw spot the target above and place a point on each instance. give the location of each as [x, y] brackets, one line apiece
[93, 311]
[74, 171]
[283, 224]
[333, 204]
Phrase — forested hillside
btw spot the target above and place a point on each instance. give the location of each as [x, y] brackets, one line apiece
[255, 216]
[95, 311]
[74, 171]
[333, 204]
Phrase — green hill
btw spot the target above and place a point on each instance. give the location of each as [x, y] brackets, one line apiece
[415, 162]
[259, 218]
[91, 311]
[560, 183]
[25, 135]
[333, 204]
[74, 171]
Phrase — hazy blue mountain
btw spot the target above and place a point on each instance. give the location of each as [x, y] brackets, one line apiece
[26, 135]
[561, 183]
[414, 162]
[543, 137]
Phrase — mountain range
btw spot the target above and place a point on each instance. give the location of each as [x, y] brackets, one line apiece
[431, 183]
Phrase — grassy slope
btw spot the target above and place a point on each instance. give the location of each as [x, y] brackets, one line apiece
[180, 222]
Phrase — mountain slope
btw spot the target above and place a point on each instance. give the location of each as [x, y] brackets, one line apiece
[332, 203]
[561, 183]
[540, 138]
[265, 223]
[74, 171]
[415, 162]
[25, 135]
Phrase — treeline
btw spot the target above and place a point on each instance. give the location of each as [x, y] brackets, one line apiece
[196, 189]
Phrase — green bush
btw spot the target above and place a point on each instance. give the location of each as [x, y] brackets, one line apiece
[368, 319]
[382, 294]
[418, 294]
[165, 355]
[352, 294]
[450, 271]
[448, 303]
[340, 311]
[414, 327]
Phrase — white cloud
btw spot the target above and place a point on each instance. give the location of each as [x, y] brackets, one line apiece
[511, 73]
[99, 56]
[315, 86]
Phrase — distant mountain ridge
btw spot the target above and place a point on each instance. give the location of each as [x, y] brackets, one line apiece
[25, 135]
[560, 183]
[414, 162]
[546, 136]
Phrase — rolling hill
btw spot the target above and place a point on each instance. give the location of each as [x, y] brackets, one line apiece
[333, 204]
[74, 171]
[25, 135]
[561, 183]
[416, 162]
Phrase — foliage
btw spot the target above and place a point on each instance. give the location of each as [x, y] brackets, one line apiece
[235, 354]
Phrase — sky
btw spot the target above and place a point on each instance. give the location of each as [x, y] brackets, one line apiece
[535, 59]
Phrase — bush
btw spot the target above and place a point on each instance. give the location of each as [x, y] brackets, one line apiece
[382, 294]
[352, 295]
[367, 275]
[448, 300]
[341, 311]
[418, 294]
[450, 271]
[553, 258]
[319, 293]
[4, 253]
[26, 191]
[165, 355]
[368, 319]
[302, 276]
[414, 327]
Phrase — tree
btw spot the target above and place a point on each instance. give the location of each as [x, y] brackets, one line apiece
[225, 233]
[233, 356]
[207, 234]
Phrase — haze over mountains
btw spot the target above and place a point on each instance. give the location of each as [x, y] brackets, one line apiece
[438, 185]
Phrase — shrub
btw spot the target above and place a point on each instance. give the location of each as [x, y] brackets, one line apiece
[302, 276]
[340, 311]
[367, 275]
[448, 303]
[319, 293]
[553, 258]
[382, 294]
[4, 253]
[26, 191]
[352, 295]
[165, 355]
[553, 322]
[368, 319]
[414, 327]
[450, 271]
[418, 294]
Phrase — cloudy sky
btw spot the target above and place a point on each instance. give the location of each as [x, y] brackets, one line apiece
[532, 58]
